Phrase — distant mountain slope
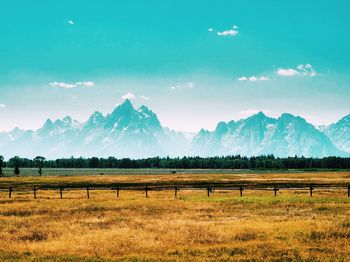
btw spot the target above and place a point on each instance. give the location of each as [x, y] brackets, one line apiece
[286, 136]
[138, 133]
[126, 132]
[339, 133]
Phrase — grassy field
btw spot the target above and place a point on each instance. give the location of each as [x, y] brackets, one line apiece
[151, 171]
[258, 226]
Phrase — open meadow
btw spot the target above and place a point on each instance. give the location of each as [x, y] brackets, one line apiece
[192, 226]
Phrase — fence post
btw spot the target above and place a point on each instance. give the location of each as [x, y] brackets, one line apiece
[176, 191]
[146, 191]
[275, 189]
[61, 192]
[10, 191]
[34, 191]
[349, 191]
[118, 191]
[87, 192]
[208, 190]
[311, 189]
[241, 191]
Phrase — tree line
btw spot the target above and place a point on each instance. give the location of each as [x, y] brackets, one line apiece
[17, 162]
[224, 162]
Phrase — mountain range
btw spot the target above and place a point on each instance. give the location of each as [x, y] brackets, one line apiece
[138, 133]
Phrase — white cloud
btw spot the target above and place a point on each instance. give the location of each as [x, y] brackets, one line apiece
[253, 78]
[144, 97]
[63, 85]
[190, 84]
[70, 22]
[69, 85]
[306, 70]
[187, 85]
[243, 78]
[74, 97]
[210, 29]
[250, 112]
[301, 69]
[2, 106]
[287, 72]
[230, 32]
[86, 83]
[129, 96]
[263, 78]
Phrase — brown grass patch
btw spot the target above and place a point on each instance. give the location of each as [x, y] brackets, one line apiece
[223, 227]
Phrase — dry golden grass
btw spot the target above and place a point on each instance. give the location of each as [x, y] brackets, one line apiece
[56, 178]
[259, 226]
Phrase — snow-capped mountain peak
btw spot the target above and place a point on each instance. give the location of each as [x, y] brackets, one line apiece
[95, 119]
[138, 133]
[259, 134]
[339, 133]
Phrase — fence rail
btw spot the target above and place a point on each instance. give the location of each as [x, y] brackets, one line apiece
[176, 188]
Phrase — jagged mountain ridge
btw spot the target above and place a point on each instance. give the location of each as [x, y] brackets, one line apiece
[260, 135]
[126, 132]
[339, 133]
[138, 133]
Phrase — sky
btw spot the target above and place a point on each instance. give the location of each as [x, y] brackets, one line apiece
[194, 63]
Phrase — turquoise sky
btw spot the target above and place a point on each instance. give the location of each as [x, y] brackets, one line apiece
[193, 62]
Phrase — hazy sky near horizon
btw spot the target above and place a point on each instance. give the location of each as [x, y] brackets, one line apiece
[194, 63]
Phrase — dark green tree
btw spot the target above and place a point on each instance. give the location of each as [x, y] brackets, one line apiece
[16, 170]
[1, 163]
[94, 162]
[39, 161]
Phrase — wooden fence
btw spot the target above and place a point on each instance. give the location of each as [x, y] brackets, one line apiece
[176, 188]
